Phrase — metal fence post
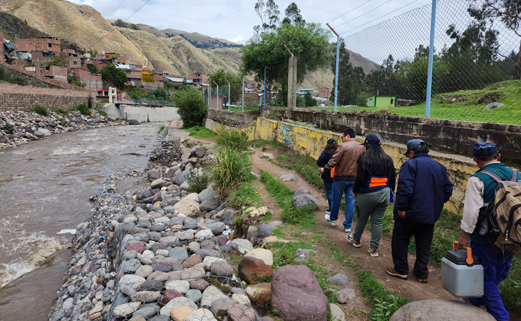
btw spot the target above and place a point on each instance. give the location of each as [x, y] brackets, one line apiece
[431, 61]
[337, 59]
[229, 97]
[243, 94]
[217, 97]
[264, 86]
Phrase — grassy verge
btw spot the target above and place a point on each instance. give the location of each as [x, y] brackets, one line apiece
[283, 196]
[245, 195]
[201, 133]
[510, 288]
[304, 165]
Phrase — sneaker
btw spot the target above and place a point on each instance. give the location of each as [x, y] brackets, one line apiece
[333, 223]
[419, 280]
[372, 251]
[355, 243]
[391, 271]
[328, 211]
[347, 230]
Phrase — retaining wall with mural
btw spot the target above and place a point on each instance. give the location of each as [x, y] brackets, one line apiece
[310, 142]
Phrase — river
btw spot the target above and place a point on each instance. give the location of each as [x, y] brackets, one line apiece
[45, 188]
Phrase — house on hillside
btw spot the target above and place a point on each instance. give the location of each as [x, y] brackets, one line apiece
[92, 81]
[324, 92]
[72, 58]
[8, 50]
[198, 78]
[302, 92]
[382, 101]
[42, 49]
[54, 72]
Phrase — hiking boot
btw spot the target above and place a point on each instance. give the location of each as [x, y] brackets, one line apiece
[333, 223]
[328, 211]
[392, 272]
[372, 251]
[419, 280]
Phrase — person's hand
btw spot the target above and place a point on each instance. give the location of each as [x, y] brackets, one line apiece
[321, 170]
[463, 240]
[354, 195]
[401, 214]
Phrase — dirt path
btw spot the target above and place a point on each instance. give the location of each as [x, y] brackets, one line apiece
[411, 288]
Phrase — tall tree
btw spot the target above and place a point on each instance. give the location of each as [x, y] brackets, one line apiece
[309, 43]
[350, 80]
[293, 14]
[506, 11]
[114, 76]
[268, 12]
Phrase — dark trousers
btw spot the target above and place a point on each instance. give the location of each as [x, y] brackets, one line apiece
[403, 230]
[496, 268]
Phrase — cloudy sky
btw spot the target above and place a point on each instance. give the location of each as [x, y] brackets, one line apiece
[234, 19]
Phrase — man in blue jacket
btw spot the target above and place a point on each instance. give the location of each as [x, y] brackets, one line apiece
[423, 188]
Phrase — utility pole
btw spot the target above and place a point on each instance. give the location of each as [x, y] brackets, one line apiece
[264, 86]
[337, 58]
[431, 61]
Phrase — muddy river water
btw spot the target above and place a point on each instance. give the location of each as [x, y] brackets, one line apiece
[45, 188]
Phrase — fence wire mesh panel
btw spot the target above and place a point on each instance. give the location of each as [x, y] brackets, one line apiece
[220, 98]
[476, 69]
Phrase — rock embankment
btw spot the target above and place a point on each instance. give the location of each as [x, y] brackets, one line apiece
[18, 128]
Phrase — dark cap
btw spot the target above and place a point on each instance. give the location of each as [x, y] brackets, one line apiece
[415, 143]
[484, 149]
[331, 141]
[371, 139]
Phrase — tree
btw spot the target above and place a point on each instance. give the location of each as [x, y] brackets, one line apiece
[268, 12]
[350, 80]
[92, 68]
[191, 107]
[114, 76]
[506, 11]
[293, 15]
[221, 78]
[309, 43]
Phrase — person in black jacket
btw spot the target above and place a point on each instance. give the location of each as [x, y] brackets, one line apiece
[322, 161]
[375, 180]
[423, 188]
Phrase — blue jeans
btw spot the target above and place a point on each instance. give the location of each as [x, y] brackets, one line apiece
[328, 185]
[496, 268]
[339, 188]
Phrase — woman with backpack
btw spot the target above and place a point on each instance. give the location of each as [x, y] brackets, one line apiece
[327, 177]
[374, 183]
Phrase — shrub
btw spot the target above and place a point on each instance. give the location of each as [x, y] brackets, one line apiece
[83, 109]
[229, 170]
[232, 139]
[198, 181]
[101, 112]
[40, 110]
[191, 107]
[301, 102]
[309, 100]
[60, 111]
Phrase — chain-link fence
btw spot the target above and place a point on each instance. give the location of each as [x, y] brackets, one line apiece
[476, 65]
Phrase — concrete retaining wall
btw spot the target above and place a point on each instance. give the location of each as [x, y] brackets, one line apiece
[142, 114]
[310, 142]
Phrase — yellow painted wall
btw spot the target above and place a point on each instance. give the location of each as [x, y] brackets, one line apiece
[310, 142]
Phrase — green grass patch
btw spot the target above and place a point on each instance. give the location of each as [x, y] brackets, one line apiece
[231, 168]
[42, 111]
[245, 195]
[60, 111]
[510, 288]
[232, 139]
[83, 109]
[304, 165]
[465, 105]
[201, 132]
[101, 112]
[161, 128]
[283, 197]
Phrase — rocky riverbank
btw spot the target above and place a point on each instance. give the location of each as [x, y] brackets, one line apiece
[18, 128]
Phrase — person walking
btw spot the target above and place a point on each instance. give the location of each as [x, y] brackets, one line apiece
[344, 163]
[374, 183]
[480, 191]
[322, 161]
[423, 188]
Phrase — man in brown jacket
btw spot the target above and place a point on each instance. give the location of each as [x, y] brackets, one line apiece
[344, 162]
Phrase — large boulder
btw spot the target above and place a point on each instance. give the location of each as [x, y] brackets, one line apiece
[181, 177]
[297, 295]
[302, 190]
[288, 178]
[207, 194]
[439, 310]
[209, 204]
[262, 254]
[304, 200]
[187, 206]
[216, 228]
[263, 232]
[259, 293]
[253, 270]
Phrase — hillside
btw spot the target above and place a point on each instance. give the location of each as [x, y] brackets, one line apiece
[180, 53]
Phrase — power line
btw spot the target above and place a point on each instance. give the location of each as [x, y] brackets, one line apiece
[98, 3]
[362, 14]
[387, 14]
[350, 11]
[113, 12]
[137, 10]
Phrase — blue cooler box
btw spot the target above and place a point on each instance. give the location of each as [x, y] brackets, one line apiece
[461, 273]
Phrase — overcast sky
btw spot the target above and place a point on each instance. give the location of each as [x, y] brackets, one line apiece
[234, 19]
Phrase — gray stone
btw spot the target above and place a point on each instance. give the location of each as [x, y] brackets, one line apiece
[178, 252]
[184, 187]
[288, 178]
[303, 255]
[147, 312]
[209, 204]
[208, 244]
[177, 302]
[338, 278]
[222, 305]
[304, 200]
[158, 183]
[194, 295]
[440, 310]
[241, 245]
[133, 281]
[207, 194]
[221, 269]
[160, 318]
[194, 247]
[151, 285]
[252, 230]
[263, 232]
[494, 105]
[211, 294]
[208, 252]
[336, 313]
[185, 235]
[181, 178]
[145, 296]
[345, 294]
[227, 217]
[302, 190]
[217, 228]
